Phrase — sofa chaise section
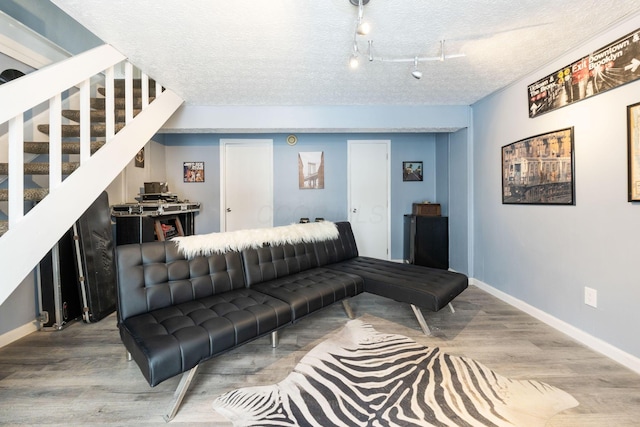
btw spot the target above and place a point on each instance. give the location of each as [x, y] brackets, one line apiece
[421, 287]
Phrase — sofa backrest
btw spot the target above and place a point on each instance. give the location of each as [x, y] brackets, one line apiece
[155, 275]
[340, 249]
[270, 262]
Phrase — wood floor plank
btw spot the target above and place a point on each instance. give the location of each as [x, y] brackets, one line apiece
[80, 375]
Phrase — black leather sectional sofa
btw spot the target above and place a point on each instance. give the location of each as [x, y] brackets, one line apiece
[175, 313]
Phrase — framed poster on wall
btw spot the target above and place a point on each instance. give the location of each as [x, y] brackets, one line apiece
[539, 170]
[633, 147]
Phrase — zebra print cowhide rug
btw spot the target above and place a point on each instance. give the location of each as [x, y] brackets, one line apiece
[361, 377]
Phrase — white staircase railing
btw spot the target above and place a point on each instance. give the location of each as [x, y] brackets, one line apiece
[30, 236]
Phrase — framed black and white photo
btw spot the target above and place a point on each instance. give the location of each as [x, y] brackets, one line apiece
[539, 170]
[412, 171]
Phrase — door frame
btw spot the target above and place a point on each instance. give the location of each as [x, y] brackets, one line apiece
[224, 142]
[387, 143]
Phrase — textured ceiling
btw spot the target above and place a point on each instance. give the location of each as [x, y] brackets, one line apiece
[295, 52]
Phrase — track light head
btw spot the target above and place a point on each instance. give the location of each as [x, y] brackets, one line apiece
[353, 61]
[363, 28]
[417, 74]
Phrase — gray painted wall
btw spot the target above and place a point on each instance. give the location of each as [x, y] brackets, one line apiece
[546, 255]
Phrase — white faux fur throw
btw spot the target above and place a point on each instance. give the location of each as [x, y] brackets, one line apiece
[207, 244]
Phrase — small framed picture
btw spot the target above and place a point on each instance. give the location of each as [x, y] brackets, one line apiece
[412, 171]
[139, 160]
[311, 170]
[193, 171]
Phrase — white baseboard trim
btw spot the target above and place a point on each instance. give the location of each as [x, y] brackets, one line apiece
[17, 333]
[606, 349]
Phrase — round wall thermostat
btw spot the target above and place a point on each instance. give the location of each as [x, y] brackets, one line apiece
[292, 139]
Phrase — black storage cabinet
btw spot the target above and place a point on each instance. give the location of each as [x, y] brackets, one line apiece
[426, 241]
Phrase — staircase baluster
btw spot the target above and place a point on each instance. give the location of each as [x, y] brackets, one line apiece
[128, 93]
[85, 121]
[16, 169]
[55, 141]
[145, 90]
[110, 117]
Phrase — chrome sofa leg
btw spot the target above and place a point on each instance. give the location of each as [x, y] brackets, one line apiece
[421, 321]
[178, 395]
[348, 309]
[453, 310]
[275, 339]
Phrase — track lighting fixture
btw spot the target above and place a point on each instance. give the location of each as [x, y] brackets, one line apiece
[362, 28]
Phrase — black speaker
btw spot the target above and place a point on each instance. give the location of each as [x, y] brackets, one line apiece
[427, 241]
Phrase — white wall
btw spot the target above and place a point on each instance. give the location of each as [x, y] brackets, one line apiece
[544, 256]
[130, 183]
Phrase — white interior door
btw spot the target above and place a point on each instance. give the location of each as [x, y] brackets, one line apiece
[368, 194]
[246, 184]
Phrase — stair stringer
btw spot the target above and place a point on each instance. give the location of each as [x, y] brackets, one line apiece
[32, 236]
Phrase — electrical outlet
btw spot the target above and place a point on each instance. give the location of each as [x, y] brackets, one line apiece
[591, 297]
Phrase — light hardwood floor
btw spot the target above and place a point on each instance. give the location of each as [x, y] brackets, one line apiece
[80, 375]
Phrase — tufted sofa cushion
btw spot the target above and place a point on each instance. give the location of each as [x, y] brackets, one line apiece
[271, 262]
[312, 290]
[171, 340]
[336, 250]
[288, 272]
[174, 313]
